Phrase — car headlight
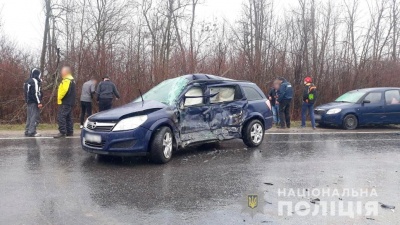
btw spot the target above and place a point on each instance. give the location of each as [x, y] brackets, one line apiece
[333, 111]
[130, 123]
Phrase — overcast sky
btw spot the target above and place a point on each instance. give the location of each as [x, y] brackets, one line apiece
[23, 19]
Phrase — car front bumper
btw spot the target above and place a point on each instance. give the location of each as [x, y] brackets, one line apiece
[330, 119]
[129, 143]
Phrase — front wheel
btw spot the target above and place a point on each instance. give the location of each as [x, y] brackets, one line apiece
[350, 122]
[162, 145]
[253, 133]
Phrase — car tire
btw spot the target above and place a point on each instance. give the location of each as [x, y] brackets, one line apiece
[162, 145]
[350, 122]
[253, 133]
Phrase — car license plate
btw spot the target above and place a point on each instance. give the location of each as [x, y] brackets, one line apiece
[318, 117]
[93, 138]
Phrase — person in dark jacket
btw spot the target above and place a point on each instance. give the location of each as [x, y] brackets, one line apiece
[33, 99]
[66, 101]
[106, 90]
[309, 97]
[285, 96]
[272, 96]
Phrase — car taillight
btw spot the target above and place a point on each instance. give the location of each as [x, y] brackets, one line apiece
[268, 104]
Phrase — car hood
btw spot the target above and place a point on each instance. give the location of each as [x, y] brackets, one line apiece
[333, 105]
[130, 109]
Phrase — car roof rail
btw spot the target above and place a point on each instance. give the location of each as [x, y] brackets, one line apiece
[217, 81]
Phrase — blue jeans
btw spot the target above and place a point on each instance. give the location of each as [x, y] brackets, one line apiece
[310, 107]
[275, 113]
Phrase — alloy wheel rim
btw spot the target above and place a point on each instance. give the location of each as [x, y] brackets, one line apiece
[167, 145]
[256, 133]
[350, 122]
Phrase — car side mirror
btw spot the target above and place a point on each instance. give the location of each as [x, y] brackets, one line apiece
[366, 102]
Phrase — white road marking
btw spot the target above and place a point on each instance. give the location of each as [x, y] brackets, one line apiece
[329, 140]
[25, 138]
[345, 132]
[274, 133]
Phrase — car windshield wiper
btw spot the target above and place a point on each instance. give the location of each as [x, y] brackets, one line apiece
[344, 101]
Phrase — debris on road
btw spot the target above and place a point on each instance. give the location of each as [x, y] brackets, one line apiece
[315, 201]
[387, 206]
[270, 184]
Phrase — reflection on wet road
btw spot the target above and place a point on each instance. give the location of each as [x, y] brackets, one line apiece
[46, 181]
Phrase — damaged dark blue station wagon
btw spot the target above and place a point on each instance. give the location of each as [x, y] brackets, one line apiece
[187, 110]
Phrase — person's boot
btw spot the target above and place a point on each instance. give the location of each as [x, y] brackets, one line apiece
[60, 135]
[70, 134]
[34, 135]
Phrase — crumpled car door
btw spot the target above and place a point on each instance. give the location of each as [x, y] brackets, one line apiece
[194, 118]
[228, 110]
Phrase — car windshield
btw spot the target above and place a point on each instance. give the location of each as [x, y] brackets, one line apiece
[166, 92]
[351, 97]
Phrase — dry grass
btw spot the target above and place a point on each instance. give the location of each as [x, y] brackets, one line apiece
[45, 126]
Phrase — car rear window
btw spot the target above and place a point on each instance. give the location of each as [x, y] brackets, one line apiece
[252, 94]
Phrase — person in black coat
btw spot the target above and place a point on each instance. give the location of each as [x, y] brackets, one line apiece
[33, 99]
[272, 96]
[106, 91]
[285, 96]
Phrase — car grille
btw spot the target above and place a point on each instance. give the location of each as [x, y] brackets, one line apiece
[99, 126]
[124, 144]
[95, 145]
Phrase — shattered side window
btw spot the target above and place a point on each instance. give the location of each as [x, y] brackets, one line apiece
[166, 92]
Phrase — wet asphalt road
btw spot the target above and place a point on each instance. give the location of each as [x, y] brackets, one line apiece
[48, 181]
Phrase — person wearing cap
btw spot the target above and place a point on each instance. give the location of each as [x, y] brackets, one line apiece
[88, 90]
[33, 99]
[106, 91]
[285, 96]
[309, 97]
